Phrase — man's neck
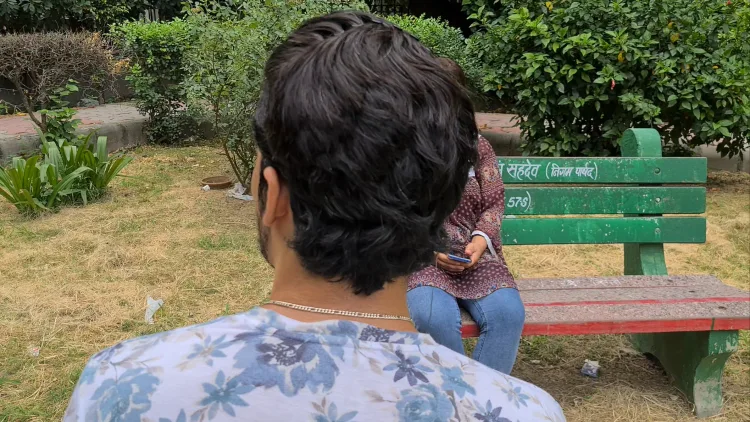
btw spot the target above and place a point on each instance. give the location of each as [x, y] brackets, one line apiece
[294, 285]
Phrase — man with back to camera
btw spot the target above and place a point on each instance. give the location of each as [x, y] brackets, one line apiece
[364, 147]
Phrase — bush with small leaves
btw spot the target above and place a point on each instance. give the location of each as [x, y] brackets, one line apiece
[444, 41]
[95, 15]
[156, 51]
[579, 74]
[224, 66]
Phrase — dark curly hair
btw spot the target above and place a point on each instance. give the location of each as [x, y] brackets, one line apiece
[374, 140]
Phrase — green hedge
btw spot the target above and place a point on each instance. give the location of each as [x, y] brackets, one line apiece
[95, 15]
[580, 73]
[209, 67]
[444, 41]
[157, 71]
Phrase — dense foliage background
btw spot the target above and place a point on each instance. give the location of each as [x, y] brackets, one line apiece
[579, 73]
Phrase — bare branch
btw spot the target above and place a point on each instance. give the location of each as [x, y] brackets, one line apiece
[28, 107]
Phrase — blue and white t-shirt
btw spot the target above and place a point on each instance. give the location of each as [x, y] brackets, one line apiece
[262, 366]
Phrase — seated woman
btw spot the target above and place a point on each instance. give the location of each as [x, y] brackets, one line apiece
[484, 287]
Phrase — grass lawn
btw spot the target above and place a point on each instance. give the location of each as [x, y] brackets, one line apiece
[75, 282]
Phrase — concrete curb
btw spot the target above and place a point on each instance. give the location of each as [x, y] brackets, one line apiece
[119, 135]
[504, 144]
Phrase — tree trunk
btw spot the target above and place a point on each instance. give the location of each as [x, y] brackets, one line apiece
[42, 124]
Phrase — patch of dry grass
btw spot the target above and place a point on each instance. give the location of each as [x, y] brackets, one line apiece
[75, 282]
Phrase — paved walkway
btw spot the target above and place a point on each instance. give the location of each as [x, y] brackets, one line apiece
[121, 112]
[120, 123]
[501, 131]
[17, 133]
[90, 117]
[501, 124]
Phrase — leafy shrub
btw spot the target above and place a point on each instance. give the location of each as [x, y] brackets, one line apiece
[103, 13]
[62, 173]
[102, 167]
[70, 168]
[30, 15]
[33, 187]
[444, 41]
[156, 50]
[60, 119]
[210, 65]
[50, 15]
[225, 72]
[225, 64]
[579, 73]
[37, 64]
[436, 34]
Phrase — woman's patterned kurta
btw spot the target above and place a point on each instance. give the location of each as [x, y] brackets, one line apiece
[480, 210]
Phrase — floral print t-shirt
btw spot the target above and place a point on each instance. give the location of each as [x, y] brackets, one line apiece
[262, 366]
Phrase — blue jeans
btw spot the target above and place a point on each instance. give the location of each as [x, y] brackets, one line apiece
[499, 316]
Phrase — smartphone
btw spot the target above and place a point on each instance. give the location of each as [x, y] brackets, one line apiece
[459, 259]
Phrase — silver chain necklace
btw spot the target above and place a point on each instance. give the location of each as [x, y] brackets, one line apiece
[326, 311]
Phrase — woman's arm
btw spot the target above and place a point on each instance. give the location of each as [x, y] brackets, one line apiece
[493, 197]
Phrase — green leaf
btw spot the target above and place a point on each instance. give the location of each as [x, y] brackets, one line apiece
[65, 184]
[101, 148]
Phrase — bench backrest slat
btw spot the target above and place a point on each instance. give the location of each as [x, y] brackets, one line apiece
[604, 200]
[615, 170]
[568, 200]
[555, 231]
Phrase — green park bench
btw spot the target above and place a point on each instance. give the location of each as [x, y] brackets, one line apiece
[690, 323]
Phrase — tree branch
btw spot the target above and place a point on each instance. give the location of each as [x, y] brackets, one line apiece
[27, 105]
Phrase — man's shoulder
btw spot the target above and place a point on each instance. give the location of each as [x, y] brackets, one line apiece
[492, 391]
[257, 364]
[208, 335]
[147, 363]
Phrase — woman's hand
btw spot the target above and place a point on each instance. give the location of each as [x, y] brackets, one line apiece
[474, 250]
[446, 264]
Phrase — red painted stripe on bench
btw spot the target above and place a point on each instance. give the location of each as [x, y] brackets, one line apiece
[624, 327]
[520, 288]
[642, 301]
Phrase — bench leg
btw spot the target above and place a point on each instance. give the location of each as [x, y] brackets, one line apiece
[695, 361]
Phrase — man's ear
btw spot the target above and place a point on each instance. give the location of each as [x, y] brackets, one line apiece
[277, 197]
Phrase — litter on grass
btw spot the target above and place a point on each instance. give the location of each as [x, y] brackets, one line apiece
[151, 307]
[238, 192]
